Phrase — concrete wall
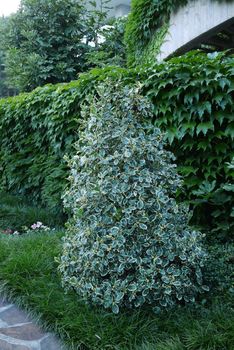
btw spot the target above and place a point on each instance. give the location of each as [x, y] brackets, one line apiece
[190, 21]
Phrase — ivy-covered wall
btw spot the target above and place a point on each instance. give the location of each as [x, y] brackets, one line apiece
[145, 23]
[147, 26]
[193, 103]
[37, 129]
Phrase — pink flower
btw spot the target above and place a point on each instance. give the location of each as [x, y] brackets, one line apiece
[38, 224]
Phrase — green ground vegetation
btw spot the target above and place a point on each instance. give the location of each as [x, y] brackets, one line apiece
[192, 99]
[16, 212]
[29, 277]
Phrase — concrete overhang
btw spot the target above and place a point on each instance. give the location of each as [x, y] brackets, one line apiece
[200, 24]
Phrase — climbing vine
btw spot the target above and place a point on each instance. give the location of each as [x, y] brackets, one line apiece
[145, 20]
[145, 29]
[193, 104]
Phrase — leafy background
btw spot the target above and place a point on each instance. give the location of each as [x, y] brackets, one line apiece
[192, 101]
[37, 129]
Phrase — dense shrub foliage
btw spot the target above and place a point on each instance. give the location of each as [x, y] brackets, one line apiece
[193, 102]
[111, 50]
[47, 41]
[36, 130]
[219, 272]
[130, 243]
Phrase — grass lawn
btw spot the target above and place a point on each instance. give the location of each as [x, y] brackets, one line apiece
[28, 276]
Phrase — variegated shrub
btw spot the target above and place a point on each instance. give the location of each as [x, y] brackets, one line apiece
[129, 243]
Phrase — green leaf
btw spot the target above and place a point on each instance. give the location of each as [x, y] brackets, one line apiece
[171, 134]
[221, 148]
[187, 170]
[232, 212]
[219, 116]
[188, 126]
[223, 82]
[202, 108]
[228, 187]
[115, 309]
[132, 287]
[230, 130]
[143, 226]
[205, 188]
[204, 145]
[204, 127]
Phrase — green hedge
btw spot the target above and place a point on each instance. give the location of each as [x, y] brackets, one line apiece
[193, 103]
[37, 129]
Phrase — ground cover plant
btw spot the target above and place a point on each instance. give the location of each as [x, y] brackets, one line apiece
[16, 213]
[29, 276]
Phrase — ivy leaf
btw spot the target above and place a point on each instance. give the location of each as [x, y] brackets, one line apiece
[221, 147]
[204, 127]
[187, 170]
[205, 188]
[188, 126]
[171, 134]
[228, 187]
[202, 108]
[220, 117]
[230, 130]
[218, 98]
[204, 145]
[224, 82]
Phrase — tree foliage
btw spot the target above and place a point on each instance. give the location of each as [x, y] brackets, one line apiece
[4, 88]
[111, 49]
[47, 41]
